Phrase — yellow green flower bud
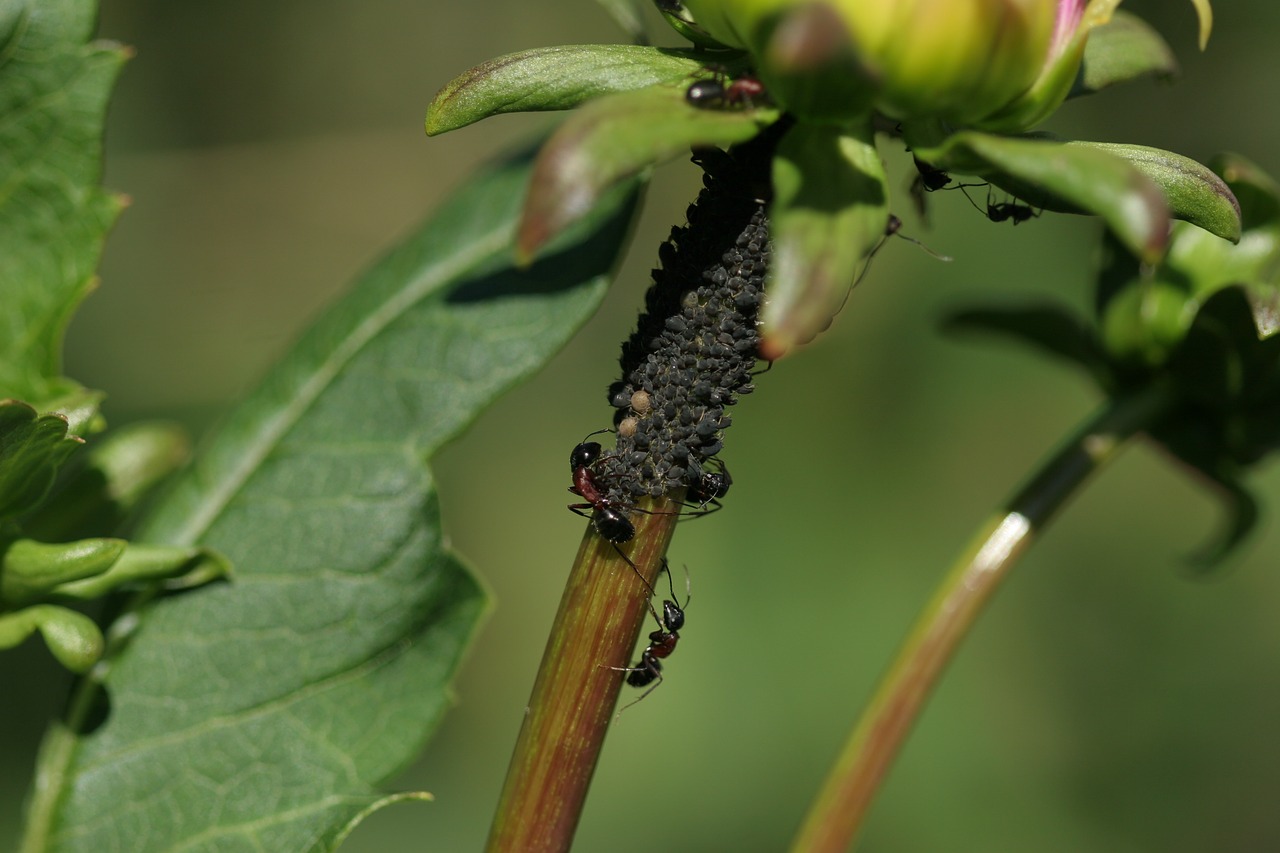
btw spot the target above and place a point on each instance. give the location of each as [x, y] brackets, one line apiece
[998, 64]
[955, 59]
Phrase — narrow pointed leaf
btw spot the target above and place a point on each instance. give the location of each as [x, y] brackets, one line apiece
[261, 714]
[54, 85]
[556, 78]
[613, 139]
[1195, 194]
[829, 211]
[1127, 48]
[1064, 177]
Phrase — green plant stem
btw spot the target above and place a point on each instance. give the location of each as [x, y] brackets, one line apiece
[601, 614]
[837, 814]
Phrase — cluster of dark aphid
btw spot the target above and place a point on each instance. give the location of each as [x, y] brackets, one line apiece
[696, 344]
[694, 351]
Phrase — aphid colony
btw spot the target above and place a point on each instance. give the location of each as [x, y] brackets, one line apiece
[693, 353]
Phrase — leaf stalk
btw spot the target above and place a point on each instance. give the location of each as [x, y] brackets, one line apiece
[838, 813]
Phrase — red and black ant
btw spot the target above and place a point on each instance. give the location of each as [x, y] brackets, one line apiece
[745, 91]
[610, 521]
[661, 642]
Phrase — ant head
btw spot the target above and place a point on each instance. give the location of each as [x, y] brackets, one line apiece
[672, 616]
[587, 452]
[584, 454]
[613, 525]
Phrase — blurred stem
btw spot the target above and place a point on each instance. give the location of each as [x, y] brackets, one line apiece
[837, 814]
[601, 614]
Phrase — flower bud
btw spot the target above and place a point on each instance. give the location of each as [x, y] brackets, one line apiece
[958, 60]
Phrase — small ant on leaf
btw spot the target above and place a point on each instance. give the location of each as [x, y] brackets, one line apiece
[1005, 210]
[719, 91]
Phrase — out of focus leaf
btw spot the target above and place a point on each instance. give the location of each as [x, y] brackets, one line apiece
[626, 14]
[613, 139]
[31, 569]
[72, 637]
[1124, 49]
[54, 85]
[1049, 328]
[179, 566]
[830, 209]
[283, 699]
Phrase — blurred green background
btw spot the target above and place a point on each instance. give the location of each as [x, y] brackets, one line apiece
[1106, 702]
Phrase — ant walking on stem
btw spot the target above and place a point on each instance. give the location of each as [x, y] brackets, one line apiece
[662, 642]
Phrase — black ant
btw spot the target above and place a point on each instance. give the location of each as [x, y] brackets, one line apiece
[745, 91]
[928, 179]
[661, 642]
[1005, 210]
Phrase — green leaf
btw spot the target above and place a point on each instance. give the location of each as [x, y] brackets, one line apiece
[30, 569]
[1053, 329]
[1062, 177]
[72, 637]
[614, 138]
[262, 713]
[557, 78]
[32, 449]
[1126, 48]
[1195, 194]
[830, 209]
[53, 214]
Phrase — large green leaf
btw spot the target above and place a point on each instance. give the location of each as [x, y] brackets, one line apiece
[53, 215]
[261, 714]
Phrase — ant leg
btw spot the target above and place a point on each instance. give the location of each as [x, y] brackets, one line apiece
[652, 669]
[636, 569]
